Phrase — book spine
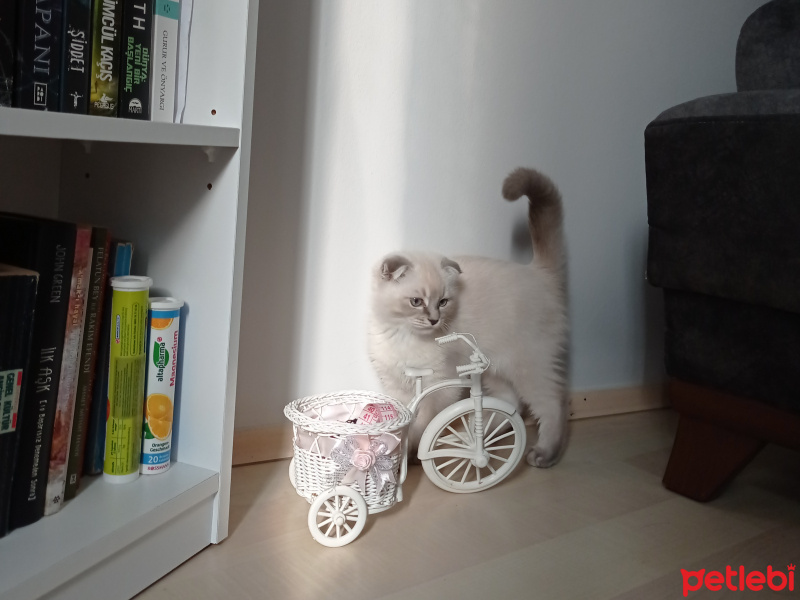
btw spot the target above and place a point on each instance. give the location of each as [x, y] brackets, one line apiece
[17, 300]
[91, 337]
[137, 33]
[184, 36]
[119, 263]
[166, 17]
[76, 63]
[104, 80]
[53, 258]
[38, 60]
[70, 365]
[8, 36]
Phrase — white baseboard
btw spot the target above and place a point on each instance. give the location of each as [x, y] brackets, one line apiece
[275, 442]
[261, 444]
[601, 403]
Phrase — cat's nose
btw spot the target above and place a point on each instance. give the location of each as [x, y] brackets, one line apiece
[433, 321]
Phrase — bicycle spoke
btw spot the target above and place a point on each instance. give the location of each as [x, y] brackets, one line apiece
[450, 441]
[498, 438]
[325, 522]
[500, 458]
[501, 447]
[490, 437]
[488, 426]
[468, 430]
[458, 468]
[443, 465]
[478, 474]
[455, 433]
[328, 531]
[466, 474]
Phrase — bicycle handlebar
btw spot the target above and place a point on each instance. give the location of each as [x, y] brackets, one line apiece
[446, 339]
[480, 361]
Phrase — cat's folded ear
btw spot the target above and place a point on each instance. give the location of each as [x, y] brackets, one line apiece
[451, 264]
[394, 267]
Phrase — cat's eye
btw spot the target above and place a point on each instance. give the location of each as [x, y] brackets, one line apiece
[416, 302]
[443, 302]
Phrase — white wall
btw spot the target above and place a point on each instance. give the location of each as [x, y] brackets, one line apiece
[386, 125]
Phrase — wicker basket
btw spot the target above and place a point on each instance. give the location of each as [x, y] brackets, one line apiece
[315, 471]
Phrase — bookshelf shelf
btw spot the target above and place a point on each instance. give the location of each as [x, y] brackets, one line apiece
[101, 524]
[185, 212]
[36, 124]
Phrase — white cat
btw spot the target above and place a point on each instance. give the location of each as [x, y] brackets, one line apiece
[518, 314]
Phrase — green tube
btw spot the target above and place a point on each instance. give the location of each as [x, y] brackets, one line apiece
[126, 375]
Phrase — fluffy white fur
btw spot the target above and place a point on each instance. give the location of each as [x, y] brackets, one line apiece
[517, 313]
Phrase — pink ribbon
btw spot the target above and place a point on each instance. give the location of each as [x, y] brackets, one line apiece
[365, 455]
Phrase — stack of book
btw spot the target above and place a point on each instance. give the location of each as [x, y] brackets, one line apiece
[113, 58]
[54, 319]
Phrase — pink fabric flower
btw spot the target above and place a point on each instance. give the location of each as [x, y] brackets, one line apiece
[362, 459]
[367, 456]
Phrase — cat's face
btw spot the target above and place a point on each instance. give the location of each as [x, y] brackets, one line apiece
[419, 293]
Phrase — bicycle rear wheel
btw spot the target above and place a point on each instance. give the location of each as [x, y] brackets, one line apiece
[450, 439]
[337, 516]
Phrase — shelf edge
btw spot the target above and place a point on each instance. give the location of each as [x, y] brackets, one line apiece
[80, 559]
[41, 124]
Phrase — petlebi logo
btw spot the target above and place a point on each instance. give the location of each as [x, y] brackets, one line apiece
[739, 580]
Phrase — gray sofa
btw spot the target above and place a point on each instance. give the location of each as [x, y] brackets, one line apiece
[723, 195]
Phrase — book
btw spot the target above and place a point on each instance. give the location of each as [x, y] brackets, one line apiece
[8, 35]
[37, 73]
[104, 79]
[70, 365]
[119, 263]
[137, 35]
[184, 36]
[76, 56]
[91, 336]
[48, 247]
[17, 300]
[166, 16]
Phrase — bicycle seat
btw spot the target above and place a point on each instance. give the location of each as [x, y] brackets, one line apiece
[414, 372]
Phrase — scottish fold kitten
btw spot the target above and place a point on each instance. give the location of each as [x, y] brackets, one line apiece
[518, 314]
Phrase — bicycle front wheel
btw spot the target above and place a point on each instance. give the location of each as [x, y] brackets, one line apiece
[448, 449]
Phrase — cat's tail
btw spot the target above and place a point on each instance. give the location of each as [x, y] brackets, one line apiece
[545, 214]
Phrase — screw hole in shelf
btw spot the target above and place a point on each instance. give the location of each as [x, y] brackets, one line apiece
[213, 111]
[209, 186]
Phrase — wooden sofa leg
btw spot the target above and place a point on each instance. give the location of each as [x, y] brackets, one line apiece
[705, 458]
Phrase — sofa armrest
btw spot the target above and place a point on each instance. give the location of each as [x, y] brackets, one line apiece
[723, 194]
[762, 103]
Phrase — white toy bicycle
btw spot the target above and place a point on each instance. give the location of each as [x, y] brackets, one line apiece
[347, 466]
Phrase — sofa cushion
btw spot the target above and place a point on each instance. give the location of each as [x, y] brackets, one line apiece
[768, 49]
[723, 196]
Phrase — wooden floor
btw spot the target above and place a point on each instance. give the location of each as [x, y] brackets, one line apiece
[598, 525]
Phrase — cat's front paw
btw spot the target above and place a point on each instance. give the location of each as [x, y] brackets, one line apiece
[539, 457]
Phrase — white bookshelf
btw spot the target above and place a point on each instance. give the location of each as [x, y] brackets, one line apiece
[179, 192]
[35, 124]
